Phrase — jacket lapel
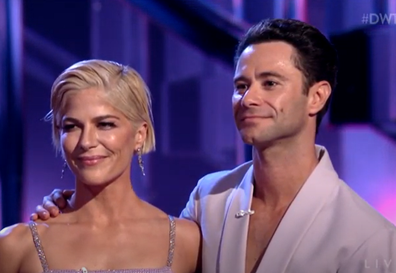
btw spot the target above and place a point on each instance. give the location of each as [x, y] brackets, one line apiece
[234, 235]
[299, 217]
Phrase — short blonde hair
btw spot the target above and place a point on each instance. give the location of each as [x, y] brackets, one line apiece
[125, 89]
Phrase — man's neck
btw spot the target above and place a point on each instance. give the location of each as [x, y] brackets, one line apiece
[280, 171]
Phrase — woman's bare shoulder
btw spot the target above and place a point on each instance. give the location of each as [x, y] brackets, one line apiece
[187, 226]
[19, 235]
[188, 232]
[185, 229]
[15, 241]
[15, 233]
[188, 243]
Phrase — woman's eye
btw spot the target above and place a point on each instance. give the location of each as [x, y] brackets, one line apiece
[106, 125]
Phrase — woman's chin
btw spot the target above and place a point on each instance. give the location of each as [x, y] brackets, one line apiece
[94, 181]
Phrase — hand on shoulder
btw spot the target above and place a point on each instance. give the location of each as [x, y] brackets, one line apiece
[52, 205]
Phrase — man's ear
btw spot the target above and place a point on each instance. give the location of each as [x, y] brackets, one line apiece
[318, 95]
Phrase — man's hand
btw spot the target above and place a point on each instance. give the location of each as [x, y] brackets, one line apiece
[52, 204]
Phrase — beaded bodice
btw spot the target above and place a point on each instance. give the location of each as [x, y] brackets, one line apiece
[46, 269]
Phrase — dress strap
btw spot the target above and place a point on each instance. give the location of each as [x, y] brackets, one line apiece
[39, 247]
[172, 233]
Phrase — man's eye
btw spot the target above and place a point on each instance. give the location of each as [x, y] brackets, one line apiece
[270, 83]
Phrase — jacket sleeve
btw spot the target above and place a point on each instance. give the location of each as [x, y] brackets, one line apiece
[376, 255]
[190, 212]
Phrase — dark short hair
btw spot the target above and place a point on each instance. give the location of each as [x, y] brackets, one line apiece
[315, 56]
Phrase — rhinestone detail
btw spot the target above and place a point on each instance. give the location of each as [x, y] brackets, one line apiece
[166, 269]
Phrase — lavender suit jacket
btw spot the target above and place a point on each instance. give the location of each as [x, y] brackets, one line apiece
[327, 229]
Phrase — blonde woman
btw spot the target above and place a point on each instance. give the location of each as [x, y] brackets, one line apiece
[101, 118]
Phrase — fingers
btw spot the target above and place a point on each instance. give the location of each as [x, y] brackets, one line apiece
[34, 217]
[41, 214]
[49, 206]
[59, 200]
[52, 204]
[68, 193]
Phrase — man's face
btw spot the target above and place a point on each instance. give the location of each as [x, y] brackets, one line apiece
[268, 100]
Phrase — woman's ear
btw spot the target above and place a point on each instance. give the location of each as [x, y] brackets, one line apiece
[140, 136]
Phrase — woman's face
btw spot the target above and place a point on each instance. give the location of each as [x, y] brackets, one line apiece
[97, 141]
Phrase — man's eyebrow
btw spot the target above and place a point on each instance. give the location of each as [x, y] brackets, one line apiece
[263, 74]
[240, 78]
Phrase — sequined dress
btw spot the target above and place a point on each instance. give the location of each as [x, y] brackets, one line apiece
[165, 269]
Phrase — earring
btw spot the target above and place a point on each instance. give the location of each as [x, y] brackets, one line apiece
[140, 160]
[63, 169]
